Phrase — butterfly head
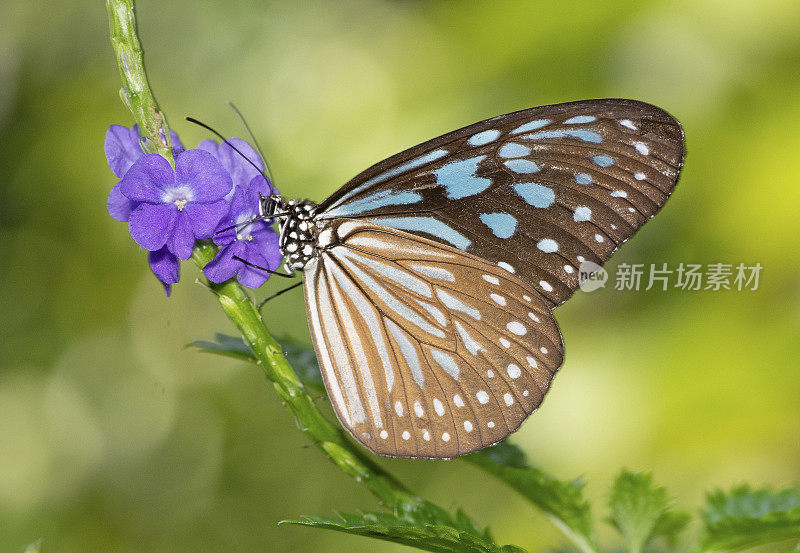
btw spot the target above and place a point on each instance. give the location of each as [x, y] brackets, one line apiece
[271, 207]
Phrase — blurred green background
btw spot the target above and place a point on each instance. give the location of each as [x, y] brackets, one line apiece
[115, 438]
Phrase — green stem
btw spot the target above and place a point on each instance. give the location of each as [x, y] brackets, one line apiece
[332, 440]
[135, 92]
[327, 437]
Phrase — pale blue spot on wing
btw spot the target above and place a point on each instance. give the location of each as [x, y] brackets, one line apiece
[524, 166]
[394, 303]
[429, 225]
[459, 180]
[619, 194]
[580, 134]
[484, 137]
[408, 351]
[603, 160]
[446, 362]
[582, 213]
[532, 126]
[391, 272]
[451, 302]
[383, 198]
[512, 149]
[580, 119]
[502, 225]
[583, 179]
[389, 173]
[535, 194]
[547, 245]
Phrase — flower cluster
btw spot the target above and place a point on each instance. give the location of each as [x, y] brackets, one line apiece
[210, 189]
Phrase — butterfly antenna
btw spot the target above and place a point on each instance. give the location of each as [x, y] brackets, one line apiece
[255, 219]
[235, 149]
[241, 118]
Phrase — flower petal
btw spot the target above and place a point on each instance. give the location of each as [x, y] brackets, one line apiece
[202, 172]
[177, 145]
[166, 268]
[122, 149]
[267, 243]
[204, 217]
[147, 178]
[223, 267]
[151, 224]
[235, 163]
[120, 207]
[255, 272]
[181, 240]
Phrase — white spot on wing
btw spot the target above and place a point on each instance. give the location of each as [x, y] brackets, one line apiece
[434, 272]
[457, 305]
[469, 342]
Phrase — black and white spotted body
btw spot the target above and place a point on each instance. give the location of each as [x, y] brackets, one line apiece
[298, 233]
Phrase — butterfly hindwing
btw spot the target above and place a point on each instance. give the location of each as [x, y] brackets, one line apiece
[426, 351]
[539, 190]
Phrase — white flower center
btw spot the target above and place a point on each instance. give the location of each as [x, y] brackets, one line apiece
[244, 232]
[178, 195]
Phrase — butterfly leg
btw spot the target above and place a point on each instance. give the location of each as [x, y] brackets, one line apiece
[260, 268]
[278, 293]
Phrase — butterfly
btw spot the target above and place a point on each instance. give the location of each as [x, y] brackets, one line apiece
[430, 278]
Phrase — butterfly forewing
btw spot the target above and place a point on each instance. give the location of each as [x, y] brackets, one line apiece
[539, 190]
[426, 351]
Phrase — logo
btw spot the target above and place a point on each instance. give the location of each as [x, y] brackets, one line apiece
[591, 276]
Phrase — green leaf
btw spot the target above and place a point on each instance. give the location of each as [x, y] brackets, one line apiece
[35, 547]
[561, 500]
[227, 346]
[745, 517]
[300, 356]
[670, 525]
[428, 536]
[641, 511]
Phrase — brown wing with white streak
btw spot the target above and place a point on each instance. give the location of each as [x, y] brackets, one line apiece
[426, 351]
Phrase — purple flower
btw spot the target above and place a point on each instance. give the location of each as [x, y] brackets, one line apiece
[175, 206]
[256, 243]
[240, 170]
[166, 268]
[122, 149]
